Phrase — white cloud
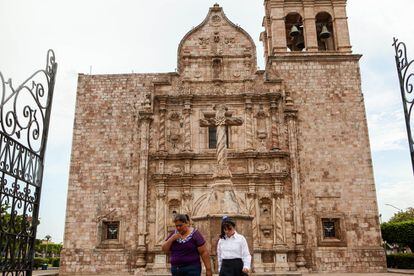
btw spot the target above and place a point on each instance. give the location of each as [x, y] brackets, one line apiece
[398, 193]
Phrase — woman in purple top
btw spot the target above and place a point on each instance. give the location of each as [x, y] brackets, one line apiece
[186, 245]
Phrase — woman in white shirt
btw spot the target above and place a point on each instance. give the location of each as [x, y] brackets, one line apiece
[233, 254]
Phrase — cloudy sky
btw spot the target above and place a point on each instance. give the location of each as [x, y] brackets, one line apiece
[108, 36]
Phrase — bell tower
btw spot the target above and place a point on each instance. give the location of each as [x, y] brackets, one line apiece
[305, 26]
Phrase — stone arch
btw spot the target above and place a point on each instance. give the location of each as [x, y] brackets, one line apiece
[325, 31]
[295, 39]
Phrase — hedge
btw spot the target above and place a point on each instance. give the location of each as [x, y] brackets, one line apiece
[401, 260]
[399, 232]
[39, 261]
[56, 262]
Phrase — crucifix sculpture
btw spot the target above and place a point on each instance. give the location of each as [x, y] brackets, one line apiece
[221, 119]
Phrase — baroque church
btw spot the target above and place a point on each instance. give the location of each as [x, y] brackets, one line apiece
[284, 151]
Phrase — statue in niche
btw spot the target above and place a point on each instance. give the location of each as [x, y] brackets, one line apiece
[175, 129]
[261, 131]
[266, 217]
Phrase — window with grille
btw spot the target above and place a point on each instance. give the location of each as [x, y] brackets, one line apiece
[212, 137]
[110, 230]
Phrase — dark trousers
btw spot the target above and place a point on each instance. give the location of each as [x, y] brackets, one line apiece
[189, 270]
[232, 267]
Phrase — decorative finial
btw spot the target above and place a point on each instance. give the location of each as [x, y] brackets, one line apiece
[216, 5]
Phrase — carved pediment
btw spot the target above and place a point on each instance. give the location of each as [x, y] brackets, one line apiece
[217, 49]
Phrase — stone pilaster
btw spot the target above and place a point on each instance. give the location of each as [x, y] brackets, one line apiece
[311, 39]
[341, 26]
[291, 121]
[253, 206]
[278, 30]
[145, 118]
[279, 233]
[160, 223]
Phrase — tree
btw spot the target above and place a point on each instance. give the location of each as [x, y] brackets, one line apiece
[399, 232]
[403, 215]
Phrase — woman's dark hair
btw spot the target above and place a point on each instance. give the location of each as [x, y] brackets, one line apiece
[226, 223]
[182, 218]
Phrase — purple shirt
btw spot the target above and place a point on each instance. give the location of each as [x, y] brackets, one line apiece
[185, 252]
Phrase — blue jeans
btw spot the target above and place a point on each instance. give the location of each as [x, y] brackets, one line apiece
[189, 270]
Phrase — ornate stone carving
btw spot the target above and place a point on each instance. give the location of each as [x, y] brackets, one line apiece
[249, 124]
[175, 129]
[160, 213]
[220, 119]
[275, 123]
[261, 131]
[161, 129]
[262, 167]
[204, 41]
[187, 124]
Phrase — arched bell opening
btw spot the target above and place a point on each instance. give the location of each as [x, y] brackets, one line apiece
[325, 32]
[295, 39]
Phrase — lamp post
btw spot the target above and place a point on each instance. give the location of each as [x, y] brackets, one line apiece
[399, 209]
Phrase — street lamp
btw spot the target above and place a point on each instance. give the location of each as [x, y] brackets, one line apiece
[399, 209]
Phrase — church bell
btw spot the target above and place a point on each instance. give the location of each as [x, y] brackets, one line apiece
[300, 44]
[325, 33]
[294, 32]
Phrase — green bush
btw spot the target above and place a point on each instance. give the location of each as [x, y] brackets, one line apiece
[39, 261]
[399, 232]
[401, 261]
[56, 262]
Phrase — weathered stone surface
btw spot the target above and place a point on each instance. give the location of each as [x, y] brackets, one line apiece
[297, 156]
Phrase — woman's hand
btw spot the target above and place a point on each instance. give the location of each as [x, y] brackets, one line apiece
[176, 236]
[246, 270]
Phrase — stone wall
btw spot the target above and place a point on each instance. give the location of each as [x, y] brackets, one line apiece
[335, 159]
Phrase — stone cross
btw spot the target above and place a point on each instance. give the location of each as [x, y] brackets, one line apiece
[220, 119]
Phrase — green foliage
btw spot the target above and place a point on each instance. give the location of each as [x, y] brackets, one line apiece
[39, 261]
[48, 249]
[399, 232]
[403, 216]
[56, 262]
[401, 261]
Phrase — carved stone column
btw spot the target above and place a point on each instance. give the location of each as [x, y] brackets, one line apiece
[187, 124]
[278, 194]
[160, 215]
[275, 123]
[145, 118]
[249, 124]
[291, 120]
[252, 205]
[161, 128]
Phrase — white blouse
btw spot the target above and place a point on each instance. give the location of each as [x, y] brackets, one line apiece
[232, 248]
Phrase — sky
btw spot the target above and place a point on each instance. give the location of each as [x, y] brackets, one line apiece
[108, 36]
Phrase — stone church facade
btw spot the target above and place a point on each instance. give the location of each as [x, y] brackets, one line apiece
[284, 151]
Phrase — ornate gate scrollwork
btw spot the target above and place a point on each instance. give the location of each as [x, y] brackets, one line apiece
[24, 123]
[406, 77]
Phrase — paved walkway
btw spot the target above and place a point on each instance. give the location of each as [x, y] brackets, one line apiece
[391, 272]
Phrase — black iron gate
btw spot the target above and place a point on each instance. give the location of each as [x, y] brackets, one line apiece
[406, 78]
[24, 123]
